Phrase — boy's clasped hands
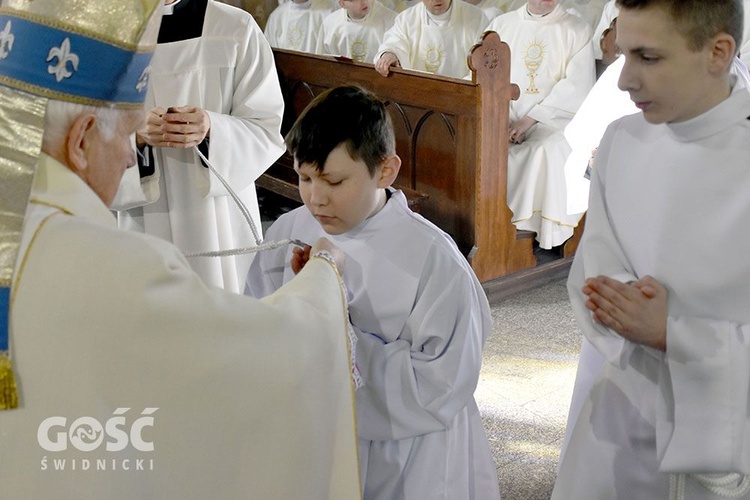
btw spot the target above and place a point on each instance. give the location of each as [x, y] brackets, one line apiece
[637, 310]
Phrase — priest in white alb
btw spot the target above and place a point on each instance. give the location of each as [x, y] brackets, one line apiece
[213, 87]
[553, 64]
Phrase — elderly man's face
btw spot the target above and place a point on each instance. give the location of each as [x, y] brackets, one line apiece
[541, 7]
[437, 7]
[108, 158]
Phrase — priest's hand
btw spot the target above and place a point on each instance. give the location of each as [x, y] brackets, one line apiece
[300, 256]
[185, 127]
[151, 132]
[182, 127]
[637, 311]
[518, 129]
[384, 63]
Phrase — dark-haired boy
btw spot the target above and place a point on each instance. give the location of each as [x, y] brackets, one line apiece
[661, 283]
[419, 313]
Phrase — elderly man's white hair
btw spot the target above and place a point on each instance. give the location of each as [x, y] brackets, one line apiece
[61, 114]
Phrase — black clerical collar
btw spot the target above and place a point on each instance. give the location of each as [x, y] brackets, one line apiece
[185, 23]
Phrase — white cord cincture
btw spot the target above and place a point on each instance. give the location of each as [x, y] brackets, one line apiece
[239, 251]
[732, 485]
[246, 214]
[240, 205]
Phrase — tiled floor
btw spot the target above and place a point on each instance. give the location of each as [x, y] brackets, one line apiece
[525, 386]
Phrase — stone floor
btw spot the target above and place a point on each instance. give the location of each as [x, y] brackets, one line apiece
[524, 390]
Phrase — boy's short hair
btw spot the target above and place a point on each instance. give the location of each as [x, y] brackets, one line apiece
[698, 20]
[347, 115]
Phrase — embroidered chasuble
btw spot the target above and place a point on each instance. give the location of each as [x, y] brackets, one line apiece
[141, 382]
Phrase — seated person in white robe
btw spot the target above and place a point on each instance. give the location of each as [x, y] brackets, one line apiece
[665, 415]
[553, 64]
[490, 8]
[295, 24]
[434, 36]
[355, 30]
[215, 71]
[134, 379]
[419, 313]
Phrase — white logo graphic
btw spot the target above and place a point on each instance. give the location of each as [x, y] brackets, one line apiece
[6, 41]
[87, 433]
[64, 56]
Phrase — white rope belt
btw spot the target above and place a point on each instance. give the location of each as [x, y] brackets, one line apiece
[731, 485]
[239, 251]
[259, 246]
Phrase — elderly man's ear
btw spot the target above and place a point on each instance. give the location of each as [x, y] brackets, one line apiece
[79, 139]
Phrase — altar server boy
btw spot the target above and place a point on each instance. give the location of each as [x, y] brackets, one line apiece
[660, 283]
[418, 311]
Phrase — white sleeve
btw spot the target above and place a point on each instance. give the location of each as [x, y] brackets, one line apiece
[396, 41]
[320, 47]
[706, 366]
[245, 142]
[419, 382]
[272, 30]
[266, 273]
[599, 253]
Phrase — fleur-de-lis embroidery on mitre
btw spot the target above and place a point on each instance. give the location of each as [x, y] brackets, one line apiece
[143, 79]
[6, 41]
[64, 56]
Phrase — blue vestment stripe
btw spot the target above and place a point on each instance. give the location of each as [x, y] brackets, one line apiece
[4, 308]
[86, 68]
